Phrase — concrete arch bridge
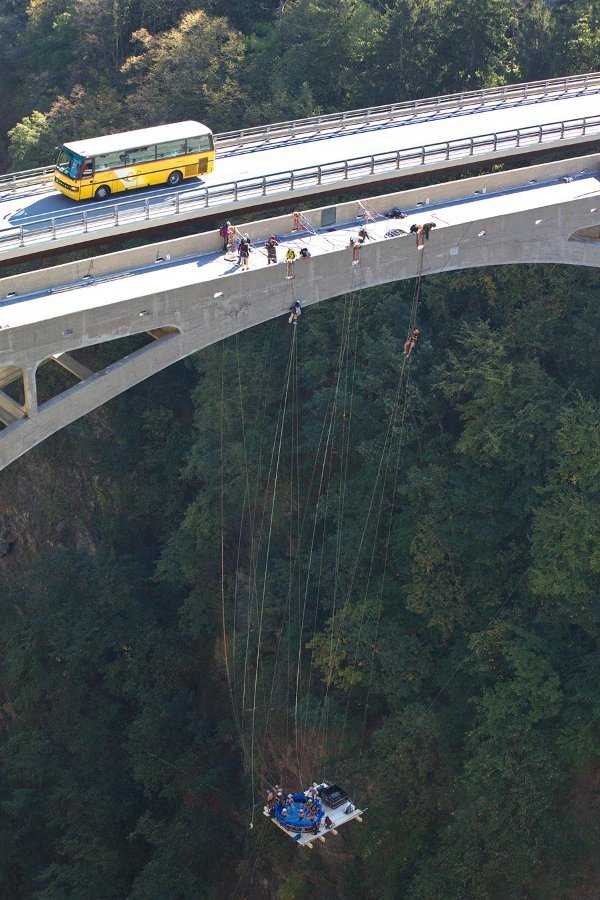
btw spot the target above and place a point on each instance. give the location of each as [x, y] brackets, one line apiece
[185, 295]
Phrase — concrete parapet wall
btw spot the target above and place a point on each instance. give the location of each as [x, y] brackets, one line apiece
[139, 257]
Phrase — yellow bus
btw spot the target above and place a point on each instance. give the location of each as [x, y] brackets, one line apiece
[101, 166]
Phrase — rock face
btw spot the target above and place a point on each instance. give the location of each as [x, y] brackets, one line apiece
[47, 501]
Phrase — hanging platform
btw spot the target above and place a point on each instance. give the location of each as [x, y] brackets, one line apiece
[303, 818]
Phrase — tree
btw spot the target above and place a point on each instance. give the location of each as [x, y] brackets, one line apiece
[476, 35]
[325, 44]
[34, 140]
[191, 71]
[566, 537]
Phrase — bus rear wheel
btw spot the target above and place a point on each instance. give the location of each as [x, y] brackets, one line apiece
[175, 178]
[102, 192]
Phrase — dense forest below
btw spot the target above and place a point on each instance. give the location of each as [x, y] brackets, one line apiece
[294, 557]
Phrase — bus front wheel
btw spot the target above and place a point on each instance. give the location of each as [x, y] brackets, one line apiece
[102, 192]
[175, 178]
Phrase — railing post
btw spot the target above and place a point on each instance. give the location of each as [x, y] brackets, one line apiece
[264, 186]
[422, 156]
[85, 223]
[447, 149]
[319, 174]
[346, 169]
[291, 181]
[53, 229]
[21, 237]
[146, 209]
[584, 125]
[397, 159]
[541, 134]
[206, 198]
[177, 202]
[235, 191]
[562, 130]
[372, 165]
[116, 214]
[518, 137]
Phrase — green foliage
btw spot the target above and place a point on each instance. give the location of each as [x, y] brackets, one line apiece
[190, 71]
[301, 570]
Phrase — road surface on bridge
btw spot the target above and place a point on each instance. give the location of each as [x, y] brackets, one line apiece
[20, 210]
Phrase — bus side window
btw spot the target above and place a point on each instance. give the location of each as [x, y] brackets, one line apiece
[170, 149]
[87, 169]
[199, 144]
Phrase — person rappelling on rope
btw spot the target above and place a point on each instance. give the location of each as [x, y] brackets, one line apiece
[290, 256]
[355, 247]
[295, 313]
[410, 342]
[417, 230]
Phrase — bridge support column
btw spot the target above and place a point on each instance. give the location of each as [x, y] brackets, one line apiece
[30, 389]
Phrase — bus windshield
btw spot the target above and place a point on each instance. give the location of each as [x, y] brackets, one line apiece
[69, 163]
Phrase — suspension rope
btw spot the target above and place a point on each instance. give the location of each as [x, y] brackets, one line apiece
[385, 447]
[327, 456]
[222, 510]
[276, 452]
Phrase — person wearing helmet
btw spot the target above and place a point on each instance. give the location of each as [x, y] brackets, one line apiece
[270, 247]
[224, 233]
[290, 256]
[411, 340]
[295, 313]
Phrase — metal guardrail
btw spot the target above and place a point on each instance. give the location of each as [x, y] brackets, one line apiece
[265, 134]
[103, 218]
[390, 112]
[28, 177]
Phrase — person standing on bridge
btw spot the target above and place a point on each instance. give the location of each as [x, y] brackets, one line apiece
[427, 228]
[231, 248]
[355, 247]
[244, 252]
[271, 248]
[224, 232]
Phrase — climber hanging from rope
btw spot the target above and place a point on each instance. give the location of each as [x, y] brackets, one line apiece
[410, 342]
[295, 313]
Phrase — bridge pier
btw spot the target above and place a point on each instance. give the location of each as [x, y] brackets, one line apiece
[30, 390]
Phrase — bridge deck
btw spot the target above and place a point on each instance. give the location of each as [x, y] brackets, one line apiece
[36, 220]
[128, 284]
